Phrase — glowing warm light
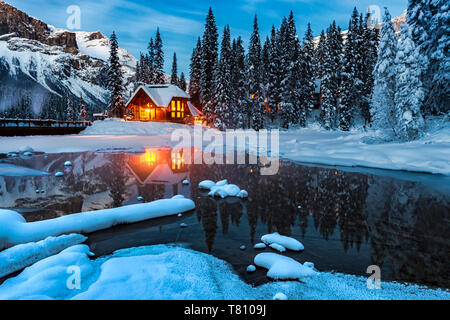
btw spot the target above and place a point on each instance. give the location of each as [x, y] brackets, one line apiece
[150, 157]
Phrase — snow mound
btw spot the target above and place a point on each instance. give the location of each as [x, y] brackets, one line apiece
[222, 189]
[280, 296]
[283, 268]
[10, 170]
[278, 247]
[174, 273]
[260, 246]
[15, 230]
[286, 242]
[21, 256]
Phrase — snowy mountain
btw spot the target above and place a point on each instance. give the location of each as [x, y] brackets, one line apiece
[398, 22]
[38, 60]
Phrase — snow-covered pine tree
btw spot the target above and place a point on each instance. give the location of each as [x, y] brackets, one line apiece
[159, 76]
[182, 82]
[331, 81]
[437, 88]
[174, 78]
[383, 104]
[83, 110]
[291, 110]
[275, 72]
[319, 55]
[137, 76]
[196, 74]
[69, 108]
[350, 85]
[256, 106]
[148, 62]
[370, 53]
[115, 80]
[307, 75]
[419, 16]
[265, 57]
[409, 93]
[239, 82]
[209, 64]
[223, 85]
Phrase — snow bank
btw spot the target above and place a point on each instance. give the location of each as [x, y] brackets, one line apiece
[165, 272]
[10, 170]
[15, 230]
[222, 189]
[283, 268]
[21, 256]
[286, 242]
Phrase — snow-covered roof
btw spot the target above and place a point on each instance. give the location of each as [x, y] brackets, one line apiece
[194, 111]
[161, 94]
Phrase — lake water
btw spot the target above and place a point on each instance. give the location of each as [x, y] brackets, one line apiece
[348, 220]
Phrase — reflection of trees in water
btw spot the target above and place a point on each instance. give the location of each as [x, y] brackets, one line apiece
[409, 233]
[151, 192]
[207, 214]
[116, 181]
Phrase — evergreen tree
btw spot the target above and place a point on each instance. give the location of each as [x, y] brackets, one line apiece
[383, 104]
[148, 64]
[275, 72]
[115, 80]
[307, 76]
[174, 79]
[239, 83]
[83, 110]
[158, 62]
[209, 63]
[331, 81]
[351, 65]
[319, 55]
[69, 108]
[409, 93]
[437, 99]
[369, 60]
[137, 76]
[291, 109]
[223, 86]
[256, 104]
[182, 82]
[196, 74]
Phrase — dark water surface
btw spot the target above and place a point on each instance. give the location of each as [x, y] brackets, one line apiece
[348, 220]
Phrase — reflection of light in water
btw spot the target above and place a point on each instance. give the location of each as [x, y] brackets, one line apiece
[177, 160]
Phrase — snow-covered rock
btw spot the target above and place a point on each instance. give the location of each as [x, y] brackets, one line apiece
[260, 246]
[186, 182]
[280, 296]
[68, 164]
[206, 185]
[24, 255]
[283, 268]
[278, 247]
[15, 230]
[174, 273]
[243, 248]
[59, 174]
[286, 242]
[251, 269]
[10, 170]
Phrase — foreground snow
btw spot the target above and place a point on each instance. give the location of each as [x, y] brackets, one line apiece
[21, 256]
[14, 229]
[165, 272]
[310, 145]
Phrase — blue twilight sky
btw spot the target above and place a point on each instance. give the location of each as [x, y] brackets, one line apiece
[181, 22]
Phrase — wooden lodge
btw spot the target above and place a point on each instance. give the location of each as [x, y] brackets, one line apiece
[165, 103]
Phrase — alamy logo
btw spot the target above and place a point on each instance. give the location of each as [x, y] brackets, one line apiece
[375, 16]
[74, 280]
[262, 147]
[74, 20]
[374, 281]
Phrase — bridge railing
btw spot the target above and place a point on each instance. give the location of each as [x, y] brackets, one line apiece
[31, 123]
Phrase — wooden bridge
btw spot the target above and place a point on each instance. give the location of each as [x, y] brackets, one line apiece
[27, 127]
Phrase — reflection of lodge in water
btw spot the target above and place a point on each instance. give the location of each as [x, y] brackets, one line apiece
[159, 166]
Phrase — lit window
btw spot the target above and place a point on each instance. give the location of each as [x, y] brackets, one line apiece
[173, 106]
[173, 114]
[178, 105]
[178, 115]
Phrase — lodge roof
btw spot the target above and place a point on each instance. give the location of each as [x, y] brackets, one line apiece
[161, 94]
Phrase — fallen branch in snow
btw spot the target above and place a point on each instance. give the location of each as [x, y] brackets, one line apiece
[15, 230]
[24, 255]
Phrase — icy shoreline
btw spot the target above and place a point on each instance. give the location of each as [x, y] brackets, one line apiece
[169, 273]
[311, 145]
